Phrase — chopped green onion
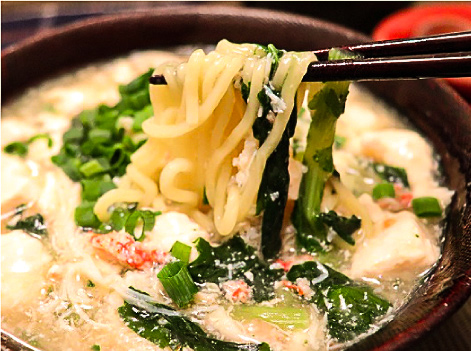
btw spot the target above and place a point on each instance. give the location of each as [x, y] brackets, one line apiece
[16, 148]
[95, 166]
[141, 116]
[426, 207]
[181, 252]
[96, 347]
[178, 283]
[99, 135]
[383, 190]
[92, 189]
[21, 148]
[84, 215]
[140, 222]
[283, 316]
[73, 134]
[90, 284]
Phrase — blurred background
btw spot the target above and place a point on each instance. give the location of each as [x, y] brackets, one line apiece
[23, 18]
[382, 20]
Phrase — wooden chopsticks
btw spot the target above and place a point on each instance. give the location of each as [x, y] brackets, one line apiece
[441, 56]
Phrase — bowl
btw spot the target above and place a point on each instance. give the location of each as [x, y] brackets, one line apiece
[426, 20]
[430, 105]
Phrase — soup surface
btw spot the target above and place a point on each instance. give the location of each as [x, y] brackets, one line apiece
[77, 277]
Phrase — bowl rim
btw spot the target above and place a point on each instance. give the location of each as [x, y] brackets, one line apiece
[452, 298]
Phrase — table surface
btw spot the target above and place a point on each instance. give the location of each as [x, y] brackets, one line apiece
[23, 19]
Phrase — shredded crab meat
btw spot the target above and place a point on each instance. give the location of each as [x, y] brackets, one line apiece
[121, 247]
[237, 291]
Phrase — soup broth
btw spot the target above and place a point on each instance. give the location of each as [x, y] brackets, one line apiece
[64, 284]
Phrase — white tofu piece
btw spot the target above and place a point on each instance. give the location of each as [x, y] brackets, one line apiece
[16, 179]
[25, 262]
[401, 250]
[171, 227]
[406, 149]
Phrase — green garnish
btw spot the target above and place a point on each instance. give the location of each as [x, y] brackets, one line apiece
[181, 252]
[95, 347]
[383, 190]
[426, 207]
[21, 148]
[286, 317]
[351, 308]
[178, 283]
[96, 149]
[231, 261]
[343, 226]
[166, 327]
[391, 174]
[33, 225]
[140, 222]
[90, 284]
[326, 106]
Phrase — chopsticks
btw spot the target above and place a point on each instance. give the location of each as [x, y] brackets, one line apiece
[440, 56]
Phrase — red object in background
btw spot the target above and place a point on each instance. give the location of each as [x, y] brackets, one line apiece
[424, 20]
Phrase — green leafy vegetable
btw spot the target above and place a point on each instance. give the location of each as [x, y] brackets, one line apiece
[327, 105]
[234, 260]
[426, 206]
[351, 308]
[383, 190]
[166, 327]
[21, 148]
[33, 225]
[178, 283]
[286, 317]
[95, 347]
[273, 190]
[343, 226]
[391, 174]
[96, 149]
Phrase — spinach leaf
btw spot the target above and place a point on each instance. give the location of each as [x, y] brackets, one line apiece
[351, 308]
[234, 260]
[326, 106]
[273, 190]
[168, 328]
[343, 226]
[33, 225]
[391, 174]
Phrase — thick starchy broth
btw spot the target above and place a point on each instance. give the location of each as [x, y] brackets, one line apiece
[62, 290]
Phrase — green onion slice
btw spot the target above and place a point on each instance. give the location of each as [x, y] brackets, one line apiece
[178, 283]
[140, 222]
[426, 206]
[383, 190]
[181, 252]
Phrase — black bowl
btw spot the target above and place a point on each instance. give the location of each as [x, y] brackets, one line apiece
[431, 106]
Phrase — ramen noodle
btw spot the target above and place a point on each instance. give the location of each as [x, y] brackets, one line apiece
[226, 209]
